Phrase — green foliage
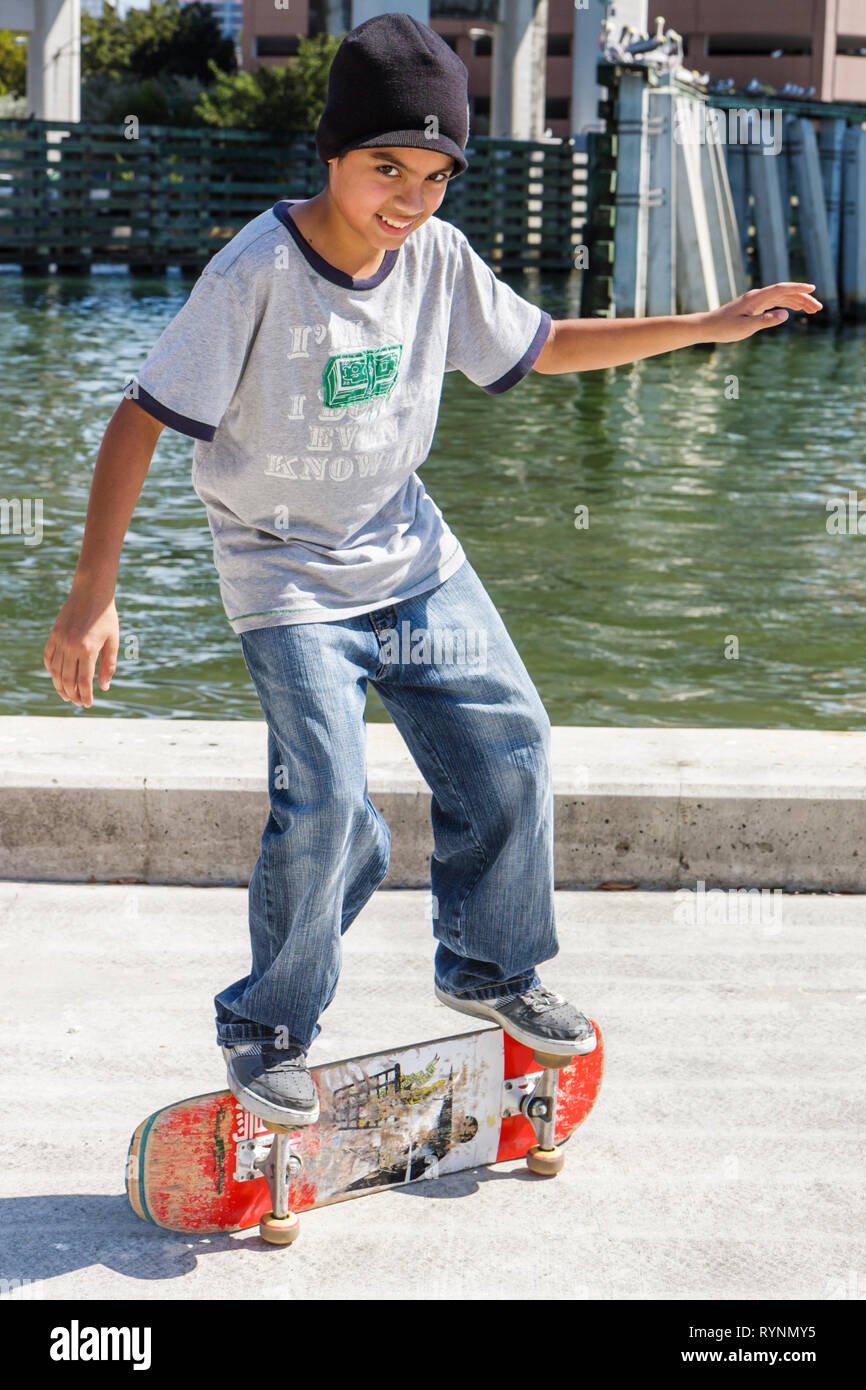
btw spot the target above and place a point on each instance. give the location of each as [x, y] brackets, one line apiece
[168, 39]
[154, 64]
[183, 41]
[13, 63]
[171, 100]
[284, 98]
[106, 42]
[171, 66]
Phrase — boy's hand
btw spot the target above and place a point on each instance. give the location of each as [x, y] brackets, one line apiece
[85, 628]
[757, 309]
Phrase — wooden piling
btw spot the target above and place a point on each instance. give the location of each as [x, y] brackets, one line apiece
[831, 140]
[853, 223]
[697, 288]
[735, 164]
[783, 169]
[661, 288]
[632, 182]
[724, 238]
[814, 228]
[770, 220]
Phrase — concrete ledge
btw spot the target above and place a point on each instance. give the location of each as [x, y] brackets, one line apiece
[174, 801]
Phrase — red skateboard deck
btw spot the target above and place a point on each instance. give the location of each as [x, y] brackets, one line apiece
[385, 1119]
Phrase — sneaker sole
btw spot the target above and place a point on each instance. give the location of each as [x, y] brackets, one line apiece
[580, 1047]
[275, 1114]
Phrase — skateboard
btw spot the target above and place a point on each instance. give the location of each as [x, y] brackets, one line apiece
[388, 1118]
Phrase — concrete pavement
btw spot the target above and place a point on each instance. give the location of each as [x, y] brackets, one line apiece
[184, 801]
[723, 1160]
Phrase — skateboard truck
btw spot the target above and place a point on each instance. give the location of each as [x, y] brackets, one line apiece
[535, 1098]
[280, 1163]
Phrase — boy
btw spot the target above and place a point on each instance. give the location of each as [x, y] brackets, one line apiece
[307, 364]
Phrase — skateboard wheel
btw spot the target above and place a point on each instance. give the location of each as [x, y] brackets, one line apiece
[546, 1161]
[280, 1230]
[549, 1059]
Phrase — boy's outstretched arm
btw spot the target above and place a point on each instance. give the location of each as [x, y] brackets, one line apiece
[583, 345]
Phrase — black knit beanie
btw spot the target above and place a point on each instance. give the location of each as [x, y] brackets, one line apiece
[395, 81]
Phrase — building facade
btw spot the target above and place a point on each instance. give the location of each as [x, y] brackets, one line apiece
[270, 35]
[811, 43]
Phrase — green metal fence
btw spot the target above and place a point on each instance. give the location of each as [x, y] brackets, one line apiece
[74, 194]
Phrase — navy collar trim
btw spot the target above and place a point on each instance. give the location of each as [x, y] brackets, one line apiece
[323, 267]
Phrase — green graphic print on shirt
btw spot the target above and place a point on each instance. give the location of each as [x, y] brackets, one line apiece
[359, 376]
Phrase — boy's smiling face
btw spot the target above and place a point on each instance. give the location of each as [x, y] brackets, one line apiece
[404, 185]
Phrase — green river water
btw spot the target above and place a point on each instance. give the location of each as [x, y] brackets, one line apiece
[706, 589]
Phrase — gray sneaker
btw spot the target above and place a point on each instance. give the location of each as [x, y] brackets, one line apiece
[272, 1082]
[538, 1018]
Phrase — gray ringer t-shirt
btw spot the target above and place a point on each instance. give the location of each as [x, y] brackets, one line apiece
[312, 398]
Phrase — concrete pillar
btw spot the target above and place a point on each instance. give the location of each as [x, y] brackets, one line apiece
[53, 30]
[632, 184]
[853, 278]
[735, 164]
[831, 139]
[783, 162]
[54, 77]
[519, 71]
[697, 288]
[661, 289]
[814, 228]
[586, 91]
[764, 186]
[727, 259]
[729, 217]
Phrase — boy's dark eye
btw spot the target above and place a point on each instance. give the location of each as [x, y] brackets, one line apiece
[439, 178]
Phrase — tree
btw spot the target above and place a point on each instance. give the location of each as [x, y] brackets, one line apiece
[169, 100]
[167, 38]
[13, 63]
[171, 65]
[155, 63]
[273, 98]
[184, 41]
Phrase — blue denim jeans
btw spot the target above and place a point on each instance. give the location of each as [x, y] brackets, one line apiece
[480, 735]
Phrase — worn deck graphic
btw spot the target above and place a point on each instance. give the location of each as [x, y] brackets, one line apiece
[385, 1119]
